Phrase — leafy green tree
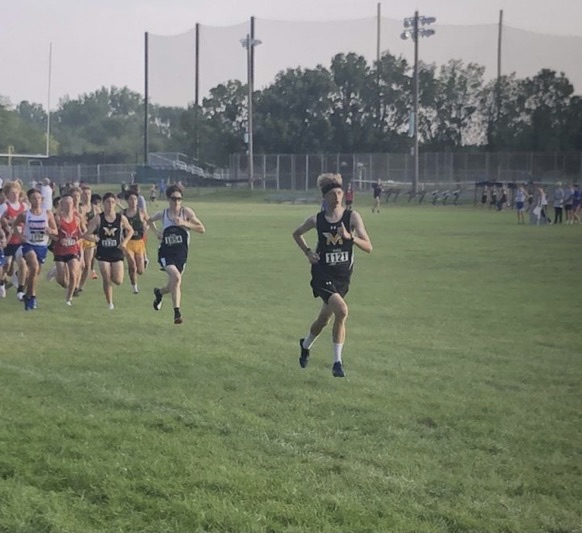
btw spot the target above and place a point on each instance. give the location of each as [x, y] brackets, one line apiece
[24, 132]
[389, 102]
[547, 101]
[293, 114]
[219, 125]
[502, 107]
[351, 119]
[451, 103]
[573, 125]
[106, 120]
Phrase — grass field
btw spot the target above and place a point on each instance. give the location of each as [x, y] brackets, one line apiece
[461, 409]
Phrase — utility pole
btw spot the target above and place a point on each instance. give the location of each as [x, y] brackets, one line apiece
[413, 29]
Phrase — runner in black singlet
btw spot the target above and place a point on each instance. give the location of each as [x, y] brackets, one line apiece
[338, 230]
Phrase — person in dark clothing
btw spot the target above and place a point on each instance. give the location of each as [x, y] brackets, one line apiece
[377, 190]
[338, 230]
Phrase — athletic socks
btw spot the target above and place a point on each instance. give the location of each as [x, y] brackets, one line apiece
[309, 340]
[337, 352]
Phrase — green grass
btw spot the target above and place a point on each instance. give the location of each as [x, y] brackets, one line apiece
[461, 409]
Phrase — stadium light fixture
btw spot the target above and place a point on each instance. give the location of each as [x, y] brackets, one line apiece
[249, 43]
[414, 30]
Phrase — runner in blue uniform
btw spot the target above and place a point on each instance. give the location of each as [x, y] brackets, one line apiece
[174, 237]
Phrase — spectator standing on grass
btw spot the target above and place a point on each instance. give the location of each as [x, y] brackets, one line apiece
[338, 229]
[576, 204]
[493, 197]
[46, 191]
[349, 196]
[503, 200]
[377, 191]
[544, 204]
[568, 203]
[537, 210]
[484, 195]
[558, 202]
[177, 220]
[111, 231]
[520, 204]
[141, 201]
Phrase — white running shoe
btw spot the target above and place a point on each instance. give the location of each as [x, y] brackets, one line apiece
[52, 273]
[111, 306]
[2, 291]
[69, 303]
[135, 289]
[20, 296]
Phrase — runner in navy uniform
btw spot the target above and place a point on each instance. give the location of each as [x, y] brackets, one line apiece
[113, 233]
[173, 251]
[338, 230]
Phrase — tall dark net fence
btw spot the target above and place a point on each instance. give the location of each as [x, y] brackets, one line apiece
[284, 44]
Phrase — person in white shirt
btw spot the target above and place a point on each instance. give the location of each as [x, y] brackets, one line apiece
[47, 194]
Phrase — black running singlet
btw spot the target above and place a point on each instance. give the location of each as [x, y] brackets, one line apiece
[175, 239]
[109, 239]
[335, 254]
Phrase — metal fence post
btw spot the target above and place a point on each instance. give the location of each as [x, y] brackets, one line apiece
[306, 172]
[278, 169]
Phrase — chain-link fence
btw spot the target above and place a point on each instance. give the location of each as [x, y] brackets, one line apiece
[298, 172]
[69, 173]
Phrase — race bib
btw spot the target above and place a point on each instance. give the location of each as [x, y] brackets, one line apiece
[335, 258]
[36, 237]
[172, 240]
[108, 243]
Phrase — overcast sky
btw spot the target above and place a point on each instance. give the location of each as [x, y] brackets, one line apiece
[100, 42]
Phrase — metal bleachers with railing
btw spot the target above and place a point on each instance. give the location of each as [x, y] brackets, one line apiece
[176, 160]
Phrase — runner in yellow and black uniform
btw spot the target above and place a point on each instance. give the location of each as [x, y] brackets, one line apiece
[88, 209]
[135, 251]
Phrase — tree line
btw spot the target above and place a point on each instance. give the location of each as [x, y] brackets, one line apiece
[350, 106]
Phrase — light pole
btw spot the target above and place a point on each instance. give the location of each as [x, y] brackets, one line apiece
[249, 43]
[413, 30]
